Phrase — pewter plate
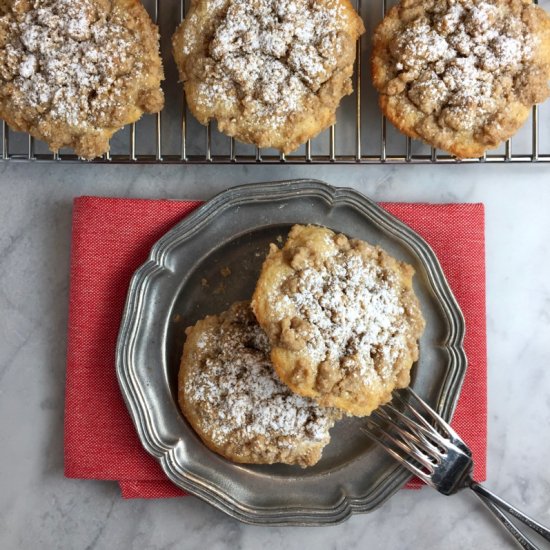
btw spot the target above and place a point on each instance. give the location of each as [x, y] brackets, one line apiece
[182, 281]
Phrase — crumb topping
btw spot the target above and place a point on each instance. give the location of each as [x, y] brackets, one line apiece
[347, 310]
[342, 318]
[271, 54]
[240, 400]
[76, 61]
[461, 61]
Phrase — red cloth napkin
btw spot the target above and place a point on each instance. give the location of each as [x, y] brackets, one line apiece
[112, 238]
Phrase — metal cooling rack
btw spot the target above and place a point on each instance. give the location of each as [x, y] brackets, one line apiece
[361, 135]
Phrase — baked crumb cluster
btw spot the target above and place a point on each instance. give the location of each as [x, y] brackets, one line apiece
[71, 69]
[271, 54]
[342, 318]
[236, 401]
[468, 67]
[258, 66]
[346, 310]
[461, 64]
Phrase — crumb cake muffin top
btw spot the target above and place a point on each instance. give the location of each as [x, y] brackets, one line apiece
[234, 400]
[271, 72]
[341, 317]
[462, 74]
[74, 71]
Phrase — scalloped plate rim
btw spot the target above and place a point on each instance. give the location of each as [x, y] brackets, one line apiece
[130, 388]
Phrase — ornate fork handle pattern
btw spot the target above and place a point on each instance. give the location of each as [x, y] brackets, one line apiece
[498, 506]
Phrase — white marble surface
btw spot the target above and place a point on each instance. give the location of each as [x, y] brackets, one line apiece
[39, 508]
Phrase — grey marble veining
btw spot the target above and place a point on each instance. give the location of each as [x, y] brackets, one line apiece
[39, 508]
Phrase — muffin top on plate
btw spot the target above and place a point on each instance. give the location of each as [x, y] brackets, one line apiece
[233, 399]
[341, 316]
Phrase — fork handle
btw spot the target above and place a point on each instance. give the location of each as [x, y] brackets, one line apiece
[497, 506]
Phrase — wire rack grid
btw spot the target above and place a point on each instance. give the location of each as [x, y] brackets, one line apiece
[361, 135]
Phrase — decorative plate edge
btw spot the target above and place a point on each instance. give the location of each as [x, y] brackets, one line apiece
[156, 263]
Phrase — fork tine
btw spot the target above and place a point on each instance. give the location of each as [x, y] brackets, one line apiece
[418, 432]
[412, 410]
[405, 444]
[442, 433]
[404, 460]
[424, 427]
[418, 438]
[439, 421]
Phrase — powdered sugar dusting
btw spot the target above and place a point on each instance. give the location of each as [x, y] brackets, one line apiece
[457, 64]
[270, 55]
[238, 394]
[69, 59]
[352, 309]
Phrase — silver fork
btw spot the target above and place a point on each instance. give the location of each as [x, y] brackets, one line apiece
[419, 439]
